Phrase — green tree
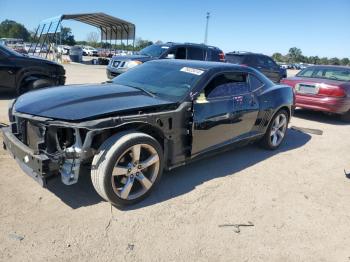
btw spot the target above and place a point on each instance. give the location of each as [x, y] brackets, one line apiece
[295, 54]
[140, 43]
[65, 37]
[12, 29]
[334, 61]
[345, 61]
[324, 61]
[314, 60]
[278, 57]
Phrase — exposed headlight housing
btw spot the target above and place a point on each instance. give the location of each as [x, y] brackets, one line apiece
[133, 63]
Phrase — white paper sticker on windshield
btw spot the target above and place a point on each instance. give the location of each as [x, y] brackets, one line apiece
[193, 71]
[165, 47]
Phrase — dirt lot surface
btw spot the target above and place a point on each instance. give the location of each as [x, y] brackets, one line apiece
[297, 198]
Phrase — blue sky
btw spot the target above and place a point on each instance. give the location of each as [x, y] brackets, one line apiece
[266, 26]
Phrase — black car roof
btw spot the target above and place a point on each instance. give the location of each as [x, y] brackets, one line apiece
[244, 53]
[189, 44]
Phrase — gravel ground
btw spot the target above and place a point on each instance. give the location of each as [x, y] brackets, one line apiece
[297, 198]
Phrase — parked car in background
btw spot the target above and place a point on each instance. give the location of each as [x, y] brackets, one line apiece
[170, 50]
[263, 63]
[162, 114]
[90, 51]
[63, 49]
[323, 88]
[21, 73]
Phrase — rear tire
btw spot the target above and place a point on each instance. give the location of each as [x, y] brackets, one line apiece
[276, 131]
[127, 168]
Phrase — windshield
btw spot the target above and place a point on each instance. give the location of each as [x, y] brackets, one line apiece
[339, 74]
[170, 81]
[9, 51]
[154, 50]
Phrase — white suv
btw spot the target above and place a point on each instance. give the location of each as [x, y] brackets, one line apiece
[90, 51]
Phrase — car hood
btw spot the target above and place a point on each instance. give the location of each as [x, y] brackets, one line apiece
[83, 102]
[141, 58]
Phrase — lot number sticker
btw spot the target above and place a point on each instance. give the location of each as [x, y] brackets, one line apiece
[193, 71]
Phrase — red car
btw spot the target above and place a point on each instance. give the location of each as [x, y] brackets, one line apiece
[323, 88]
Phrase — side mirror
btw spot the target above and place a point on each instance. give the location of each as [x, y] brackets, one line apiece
[170, 56]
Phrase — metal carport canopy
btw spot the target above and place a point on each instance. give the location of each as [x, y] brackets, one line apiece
[112, 28]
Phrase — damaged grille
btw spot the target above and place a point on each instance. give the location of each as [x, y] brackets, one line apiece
[28, 133]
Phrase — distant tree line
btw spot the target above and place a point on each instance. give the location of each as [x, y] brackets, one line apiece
[295, 55]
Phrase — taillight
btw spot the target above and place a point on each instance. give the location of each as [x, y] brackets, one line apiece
[334, 91]
[222, 57]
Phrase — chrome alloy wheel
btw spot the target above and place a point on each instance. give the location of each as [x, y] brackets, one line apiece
[135, 171]
[278, 129]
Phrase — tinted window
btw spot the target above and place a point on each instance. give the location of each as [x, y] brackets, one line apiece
[195, 53]
[261, 61]
[180, 53]
[271, 64]
[228, 84]
[154, 50]
[234, 59]
[171, 81]
[255, 83]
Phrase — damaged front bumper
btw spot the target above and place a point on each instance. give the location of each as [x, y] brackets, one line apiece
[37, 166]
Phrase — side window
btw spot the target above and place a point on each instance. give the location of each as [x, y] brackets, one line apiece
[195, 53]
[180, 53]
[261, 61]
[271, 64]
[255, 83]
[227, 85]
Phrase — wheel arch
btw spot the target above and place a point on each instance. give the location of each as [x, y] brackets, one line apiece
[137, 126]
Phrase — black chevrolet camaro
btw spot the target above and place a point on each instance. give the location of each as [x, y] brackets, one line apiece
[159, 115]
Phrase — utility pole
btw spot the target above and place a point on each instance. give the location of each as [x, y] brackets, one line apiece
[206, 29]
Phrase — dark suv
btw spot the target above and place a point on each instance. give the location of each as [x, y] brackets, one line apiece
[21, 73]
[170, 50]
[263, 63]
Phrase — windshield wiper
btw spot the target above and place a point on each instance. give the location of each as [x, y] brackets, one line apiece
[152, 94]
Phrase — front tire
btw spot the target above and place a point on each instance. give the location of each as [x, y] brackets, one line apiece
[345, 117]
[276, 131]
[127, 168]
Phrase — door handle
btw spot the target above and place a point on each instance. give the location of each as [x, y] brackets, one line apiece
[10, 72]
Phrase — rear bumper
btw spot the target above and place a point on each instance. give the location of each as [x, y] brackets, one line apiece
[326, 104]
[37, 166]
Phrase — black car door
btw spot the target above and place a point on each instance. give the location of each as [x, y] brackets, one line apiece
[245, 105]
[7, 72]
[223, 112]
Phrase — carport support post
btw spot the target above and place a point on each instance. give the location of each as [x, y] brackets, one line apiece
[39, 38]
[48, 31]
[53, 37]
[36, 32]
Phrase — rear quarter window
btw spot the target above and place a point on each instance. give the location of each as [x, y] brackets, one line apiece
[195, 53]
[234, 59]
